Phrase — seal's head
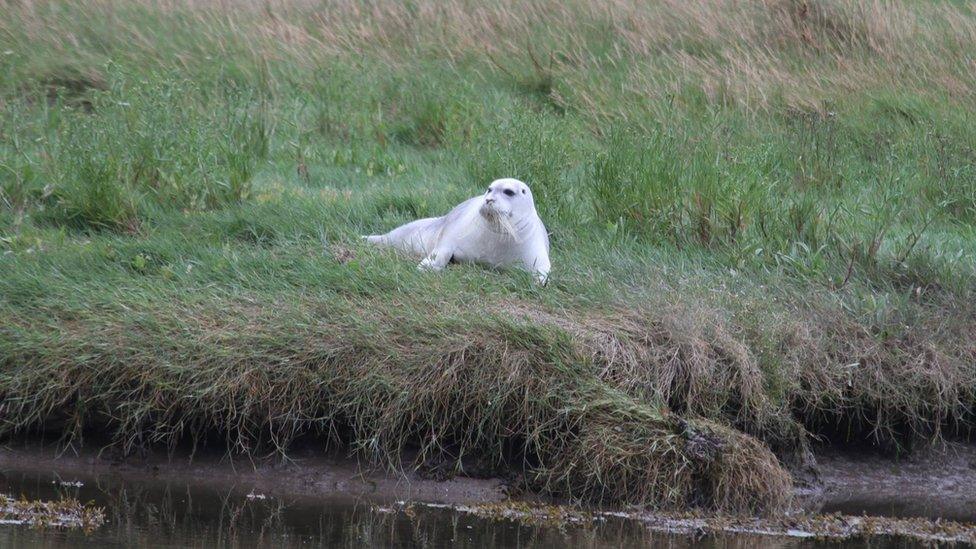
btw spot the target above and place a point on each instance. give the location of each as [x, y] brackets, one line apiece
[507, 199]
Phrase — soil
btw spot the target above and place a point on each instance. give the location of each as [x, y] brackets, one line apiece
[935, 482]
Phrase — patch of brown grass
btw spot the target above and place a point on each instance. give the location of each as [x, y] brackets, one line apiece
[63, 513]
[793, 54]
[781, 377]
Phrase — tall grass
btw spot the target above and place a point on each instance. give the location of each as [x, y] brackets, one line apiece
[761, 215]
[138, 149]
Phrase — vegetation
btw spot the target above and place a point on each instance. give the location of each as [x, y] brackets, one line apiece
[762, 219]
[63, 513]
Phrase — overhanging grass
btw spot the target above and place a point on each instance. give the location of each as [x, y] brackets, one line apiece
[377, 376]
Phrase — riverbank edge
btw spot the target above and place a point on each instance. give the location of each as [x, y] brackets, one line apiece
[311, 475]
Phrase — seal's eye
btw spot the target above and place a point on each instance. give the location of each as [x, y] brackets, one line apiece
[489, 190]
[509, 192]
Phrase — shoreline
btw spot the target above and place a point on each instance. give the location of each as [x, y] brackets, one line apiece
[938, 474]
[304, 474]
[934, 483]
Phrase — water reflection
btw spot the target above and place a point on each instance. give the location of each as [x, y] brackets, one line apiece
[176, 514]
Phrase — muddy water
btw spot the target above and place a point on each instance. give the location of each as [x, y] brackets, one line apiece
[935, 483]
[180, 513]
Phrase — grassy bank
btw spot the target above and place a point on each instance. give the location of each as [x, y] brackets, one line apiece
[762, 219]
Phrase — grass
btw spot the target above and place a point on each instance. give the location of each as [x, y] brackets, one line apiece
[762, 219]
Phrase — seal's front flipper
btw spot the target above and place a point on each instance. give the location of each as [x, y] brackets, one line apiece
[539, 266]
[436, 261]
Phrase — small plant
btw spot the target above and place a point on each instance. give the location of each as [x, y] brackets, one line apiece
[94, 194]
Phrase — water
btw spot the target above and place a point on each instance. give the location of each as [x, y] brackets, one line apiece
[172, 513]
[939, 482]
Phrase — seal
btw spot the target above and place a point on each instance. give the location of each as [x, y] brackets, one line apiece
[500, 228]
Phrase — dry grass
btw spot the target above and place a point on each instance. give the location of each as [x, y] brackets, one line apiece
[801, 54]
[515, 395]
[829, 375]
[64, 513]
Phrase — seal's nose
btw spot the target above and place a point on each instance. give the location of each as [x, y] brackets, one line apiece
[489, 199]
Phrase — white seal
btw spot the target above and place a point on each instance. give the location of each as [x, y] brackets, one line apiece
[499, 228]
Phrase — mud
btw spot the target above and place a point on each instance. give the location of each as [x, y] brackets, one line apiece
[926, 498]
[793, 525]
[937, 482]
[304, 473]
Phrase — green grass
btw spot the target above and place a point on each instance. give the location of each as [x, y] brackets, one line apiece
[762, 220]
